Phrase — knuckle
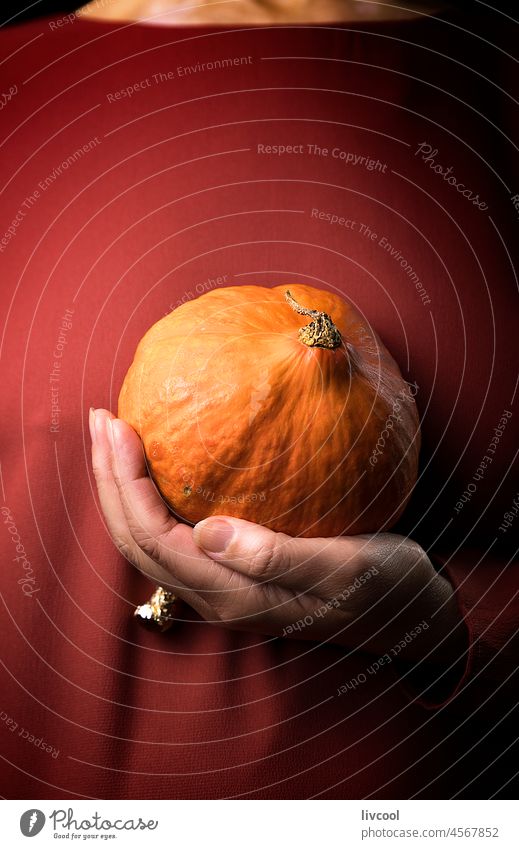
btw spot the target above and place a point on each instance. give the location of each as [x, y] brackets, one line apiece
[127, 548]
[159, 545]
[126, 488]
[100, 473]
[148, 543]
[138, 557]
[268, 562]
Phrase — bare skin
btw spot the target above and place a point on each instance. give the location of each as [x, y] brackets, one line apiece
[262, 581]
[174, 12]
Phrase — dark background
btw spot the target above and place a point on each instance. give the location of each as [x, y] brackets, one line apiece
[16, 12]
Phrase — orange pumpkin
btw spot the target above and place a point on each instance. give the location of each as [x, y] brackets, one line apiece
[279, 407]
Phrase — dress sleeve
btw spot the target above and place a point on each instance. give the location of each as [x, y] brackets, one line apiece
[484, 678]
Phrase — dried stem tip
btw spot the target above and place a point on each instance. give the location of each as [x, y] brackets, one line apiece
[321, 332]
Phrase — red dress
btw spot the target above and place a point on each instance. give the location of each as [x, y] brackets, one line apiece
[143, 165]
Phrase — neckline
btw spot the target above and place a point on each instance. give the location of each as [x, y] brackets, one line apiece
[442, 15]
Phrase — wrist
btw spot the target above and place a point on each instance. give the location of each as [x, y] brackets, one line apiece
[447, 637]
[444, 644]
[435, 675]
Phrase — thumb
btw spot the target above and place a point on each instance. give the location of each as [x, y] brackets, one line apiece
[306, 565]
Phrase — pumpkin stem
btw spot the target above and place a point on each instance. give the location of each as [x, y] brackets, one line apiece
[321, 332]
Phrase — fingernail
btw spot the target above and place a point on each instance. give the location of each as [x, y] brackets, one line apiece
[213, 535]
[109, 428]
[101, 431]
[91, 423]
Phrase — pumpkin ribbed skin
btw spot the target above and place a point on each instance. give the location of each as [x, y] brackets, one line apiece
[240, 417]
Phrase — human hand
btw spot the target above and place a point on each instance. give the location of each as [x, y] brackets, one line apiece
[366, 591]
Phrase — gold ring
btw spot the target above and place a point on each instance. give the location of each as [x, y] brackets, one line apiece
[158, 614]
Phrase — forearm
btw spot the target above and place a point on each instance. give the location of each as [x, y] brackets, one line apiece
[484, 589]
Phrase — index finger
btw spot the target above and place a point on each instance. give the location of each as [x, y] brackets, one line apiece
[167, 541]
